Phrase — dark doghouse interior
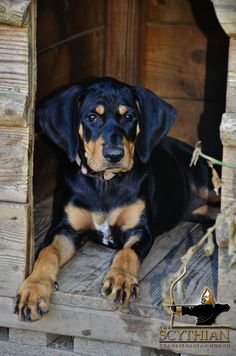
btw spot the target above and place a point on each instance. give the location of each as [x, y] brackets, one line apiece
[184, 60]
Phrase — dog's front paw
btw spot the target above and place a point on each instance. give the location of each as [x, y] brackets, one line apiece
[120, 286]
[33, 299]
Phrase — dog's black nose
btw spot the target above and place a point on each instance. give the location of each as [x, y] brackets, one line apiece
[113, 153]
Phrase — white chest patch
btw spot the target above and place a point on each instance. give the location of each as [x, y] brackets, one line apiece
[105, 229]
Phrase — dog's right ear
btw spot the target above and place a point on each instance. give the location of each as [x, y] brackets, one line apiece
[58, 120]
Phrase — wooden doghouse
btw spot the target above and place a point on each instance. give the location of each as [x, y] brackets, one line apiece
[178, 49]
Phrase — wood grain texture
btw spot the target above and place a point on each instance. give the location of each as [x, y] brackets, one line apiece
[100, 325]
[14, 144]
[226, 288]
[13, 247]
[14, 57]
[228, 129]
[13, 12]
[83, 274]
[13, 110]
[231, 81]
[95, 347]
[188, 116]
[178, 73]
[171, 11]
[229, 178]
[59, 20]
[123, 40]
[71, 62]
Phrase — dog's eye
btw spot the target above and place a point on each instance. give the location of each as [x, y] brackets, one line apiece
[92, 117]
[129, 117]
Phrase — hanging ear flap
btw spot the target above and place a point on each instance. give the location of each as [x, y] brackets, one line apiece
[57, 118]
[157, 117]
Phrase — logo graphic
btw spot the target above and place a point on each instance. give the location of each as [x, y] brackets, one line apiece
[204, 333]
[206, 312]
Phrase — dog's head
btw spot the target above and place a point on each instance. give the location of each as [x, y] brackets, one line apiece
[106, 122]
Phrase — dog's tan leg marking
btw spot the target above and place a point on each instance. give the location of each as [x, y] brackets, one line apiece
[36, 291]
[121, 282]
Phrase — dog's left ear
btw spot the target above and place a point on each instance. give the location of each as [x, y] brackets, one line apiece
[157, 117]
[57, 117]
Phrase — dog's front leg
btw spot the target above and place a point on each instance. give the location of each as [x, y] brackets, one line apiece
[35, 293]
[121, 281]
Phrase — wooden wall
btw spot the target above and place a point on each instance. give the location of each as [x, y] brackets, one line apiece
[70, 42]
[70, 49]
[174, 47]
[185, 62]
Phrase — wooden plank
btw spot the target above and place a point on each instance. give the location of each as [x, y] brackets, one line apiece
[94, 347]
[189, 113]
[14, 143]
[30, 337]
[123, 40]
[14, 56]
[83, 275]
[100, 325]
[226, 288]
[13, 110]
[174, 11]
[13, 247]
[14, 12]
[66, 65]
[231, 81]
[179, 73]
[58, 21]
[228, 192]
[228, 129]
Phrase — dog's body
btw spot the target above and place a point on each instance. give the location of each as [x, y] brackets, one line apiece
[125, 183]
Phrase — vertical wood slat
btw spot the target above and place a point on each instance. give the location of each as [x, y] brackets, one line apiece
[17, 91]
[13, 247]
[123, 40]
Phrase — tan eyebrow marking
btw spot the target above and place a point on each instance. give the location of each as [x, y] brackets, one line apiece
[100, 109]
[122, 109]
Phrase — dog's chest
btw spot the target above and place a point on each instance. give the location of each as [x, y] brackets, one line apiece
[104, 228]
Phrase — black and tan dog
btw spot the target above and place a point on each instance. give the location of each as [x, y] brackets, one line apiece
[125, 183]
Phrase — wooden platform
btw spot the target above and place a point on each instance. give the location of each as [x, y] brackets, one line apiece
[83, 275]
[93, 323]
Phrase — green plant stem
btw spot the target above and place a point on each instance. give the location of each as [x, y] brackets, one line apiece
[216, 161]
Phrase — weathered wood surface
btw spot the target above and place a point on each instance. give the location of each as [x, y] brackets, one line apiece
[179, 73]
[14, 145]
[14, 58]
[228, 129]
[71, 43]
[169, 12]
[231, 81]
[228, 177]
[108, 326]
[13, 110]
[65, 65]
[58, 22]
[14, 12]
[192, 76]
[85, 272]
[123, 40]
[226, 288]
[30, 337]
[226, 13]
[94, 347]
[13, 247]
